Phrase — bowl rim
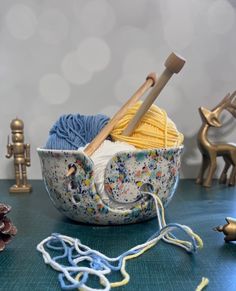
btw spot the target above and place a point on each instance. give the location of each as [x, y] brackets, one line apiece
[136, 150]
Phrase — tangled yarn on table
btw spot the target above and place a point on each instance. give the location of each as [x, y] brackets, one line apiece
[75, 130]
[82, 261]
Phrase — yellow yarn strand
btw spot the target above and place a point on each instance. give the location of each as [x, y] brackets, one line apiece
[155, 130]
[125, 274]
[172, 240]
[175, 240]
[203, 284]
[123, 270]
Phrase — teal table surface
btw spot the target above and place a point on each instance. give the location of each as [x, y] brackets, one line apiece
[164, 267]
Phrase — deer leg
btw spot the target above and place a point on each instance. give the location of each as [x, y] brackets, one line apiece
[204, 166]
[223, 176]
[212, 168]
[232, 179]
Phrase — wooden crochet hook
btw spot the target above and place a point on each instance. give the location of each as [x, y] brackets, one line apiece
[173, 64]
[103, 134]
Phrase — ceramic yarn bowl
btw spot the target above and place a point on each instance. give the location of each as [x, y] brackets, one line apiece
[126, 175]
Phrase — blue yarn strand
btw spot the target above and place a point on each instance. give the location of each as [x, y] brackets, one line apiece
[98, 263]
[75, 130]
[178, 226]
[74, 253]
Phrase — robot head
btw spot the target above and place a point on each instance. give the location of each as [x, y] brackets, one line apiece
[17, 126]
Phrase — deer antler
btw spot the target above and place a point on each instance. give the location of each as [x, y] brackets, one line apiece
[222, 103]
[230, 105]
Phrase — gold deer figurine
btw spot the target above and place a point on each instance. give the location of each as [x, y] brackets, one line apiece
[210, 150]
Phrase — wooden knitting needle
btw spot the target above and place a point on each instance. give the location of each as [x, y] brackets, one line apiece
[103, 134]
[173, 64]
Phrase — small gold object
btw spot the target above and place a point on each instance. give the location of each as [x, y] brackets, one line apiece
[21, 154]
[210, 150]
[229, 229]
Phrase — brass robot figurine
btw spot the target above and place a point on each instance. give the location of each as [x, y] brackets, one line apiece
[21, 154]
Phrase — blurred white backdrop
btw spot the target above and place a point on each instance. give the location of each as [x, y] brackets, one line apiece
[89, 56]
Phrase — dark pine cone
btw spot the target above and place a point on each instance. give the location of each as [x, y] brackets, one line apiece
[7, 229]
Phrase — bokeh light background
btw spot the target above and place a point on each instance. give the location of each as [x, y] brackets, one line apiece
[89, 56]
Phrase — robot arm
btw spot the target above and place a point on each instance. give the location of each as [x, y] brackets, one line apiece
[27, 155]
[9, 151]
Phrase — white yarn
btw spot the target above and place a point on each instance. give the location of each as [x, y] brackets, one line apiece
[102, 156]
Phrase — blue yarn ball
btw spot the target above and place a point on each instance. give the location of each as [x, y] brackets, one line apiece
[74, 130]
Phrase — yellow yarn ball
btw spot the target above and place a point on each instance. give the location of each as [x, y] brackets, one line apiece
[155, 130]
